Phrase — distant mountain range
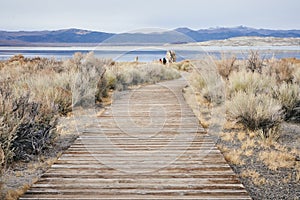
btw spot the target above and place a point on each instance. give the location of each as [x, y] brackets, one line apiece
[177, 36]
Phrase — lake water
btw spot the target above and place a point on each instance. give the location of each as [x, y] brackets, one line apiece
[146, 54]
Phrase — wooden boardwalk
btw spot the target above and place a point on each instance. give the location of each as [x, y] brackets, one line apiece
[147, 145]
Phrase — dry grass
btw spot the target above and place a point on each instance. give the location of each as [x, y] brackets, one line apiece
[184, 65]
[248, 143]
[204, 123]
[16, 193]
[248, 152]
[241, 135]
[252, 134]
[228, 136]
[229, 125]
[255, 177]
[276, 159]
[222, 148]
[297, 177]
[234, 157]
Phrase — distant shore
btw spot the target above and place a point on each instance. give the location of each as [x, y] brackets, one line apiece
[249, 41]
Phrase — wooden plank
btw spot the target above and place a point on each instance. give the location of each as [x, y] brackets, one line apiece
[127, 154]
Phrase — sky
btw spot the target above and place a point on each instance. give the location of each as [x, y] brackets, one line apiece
[118, 16]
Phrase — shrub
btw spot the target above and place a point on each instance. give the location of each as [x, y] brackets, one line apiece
[35, 92]
[111, 80]
[250, 81]
[226, 66]
[33, 134]
[184, 65]
[254, 62]
[121, 78]
[255, 111]
[289, 97]
[24, 127]
[89, 85]
[153, 73]
[282, 70]
[296, 75]
[211, 85]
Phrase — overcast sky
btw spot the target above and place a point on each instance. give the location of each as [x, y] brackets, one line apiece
[128, 15]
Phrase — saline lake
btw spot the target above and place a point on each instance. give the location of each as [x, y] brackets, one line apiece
[151, 53]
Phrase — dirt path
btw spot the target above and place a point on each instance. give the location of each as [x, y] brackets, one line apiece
[147, 145]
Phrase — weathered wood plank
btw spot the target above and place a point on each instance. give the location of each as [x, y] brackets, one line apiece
[147, 145]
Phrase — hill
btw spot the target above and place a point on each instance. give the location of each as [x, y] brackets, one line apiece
[178, 36]
[240, 31]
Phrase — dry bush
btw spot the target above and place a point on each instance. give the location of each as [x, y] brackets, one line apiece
[89, 82]
[53, 89]
[255, 63]
[197, 81]
[25, 127]
[296, 75]
[184, 65]
[211, 85]
[289, 97]
[252, 82]
[34, 64]
[284, 71]
[33, 93]
[120, 77]
[255, 111]
[226, 65]
[154, 73]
